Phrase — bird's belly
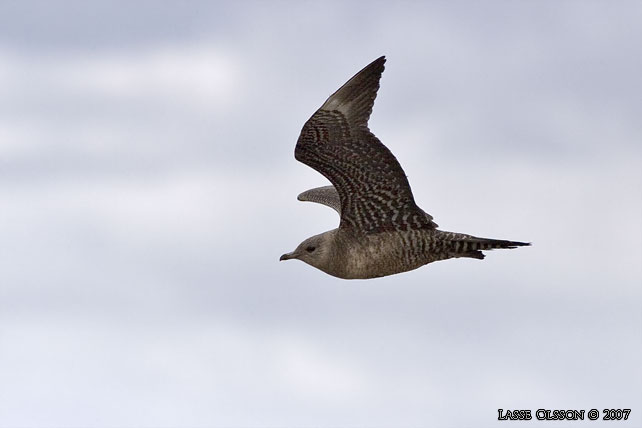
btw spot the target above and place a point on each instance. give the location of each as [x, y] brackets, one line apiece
[384, 254]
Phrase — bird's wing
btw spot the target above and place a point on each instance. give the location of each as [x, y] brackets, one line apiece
[373, 189]
[326, 195]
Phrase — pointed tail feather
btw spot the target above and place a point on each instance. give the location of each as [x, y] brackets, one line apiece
[471, 246]
[491, 244]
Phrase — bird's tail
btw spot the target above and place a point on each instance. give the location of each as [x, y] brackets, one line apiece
[471, 246]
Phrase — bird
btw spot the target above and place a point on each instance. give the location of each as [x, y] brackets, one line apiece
[381, 230]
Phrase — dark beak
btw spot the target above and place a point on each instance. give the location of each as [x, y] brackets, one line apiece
[287, 256]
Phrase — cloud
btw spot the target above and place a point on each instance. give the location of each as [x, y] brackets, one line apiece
[114, 110]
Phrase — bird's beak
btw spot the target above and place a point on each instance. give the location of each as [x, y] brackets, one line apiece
[287, 256]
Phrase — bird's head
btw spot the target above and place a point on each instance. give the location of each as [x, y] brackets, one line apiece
[315, 251]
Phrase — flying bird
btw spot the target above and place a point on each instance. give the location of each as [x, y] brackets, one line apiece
[382, 231]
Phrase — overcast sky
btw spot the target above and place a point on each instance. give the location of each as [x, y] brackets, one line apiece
[148, 187]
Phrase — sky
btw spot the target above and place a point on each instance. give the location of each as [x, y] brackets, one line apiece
[148, 187]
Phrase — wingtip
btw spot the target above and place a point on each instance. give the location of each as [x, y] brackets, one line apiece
[304, 196]
[356, 97]
[379, 61]
[376, 66]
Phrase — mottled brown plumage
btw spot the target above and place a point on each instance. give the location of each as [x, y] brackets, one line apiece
[373, 189]
[382, 231]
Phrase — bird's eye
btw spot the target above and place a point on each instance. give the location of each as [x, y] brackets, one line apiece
[310, 249]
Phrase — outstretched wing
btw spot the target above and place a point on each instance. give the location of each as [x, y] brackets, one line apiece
[373, 189]
[326, 195]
